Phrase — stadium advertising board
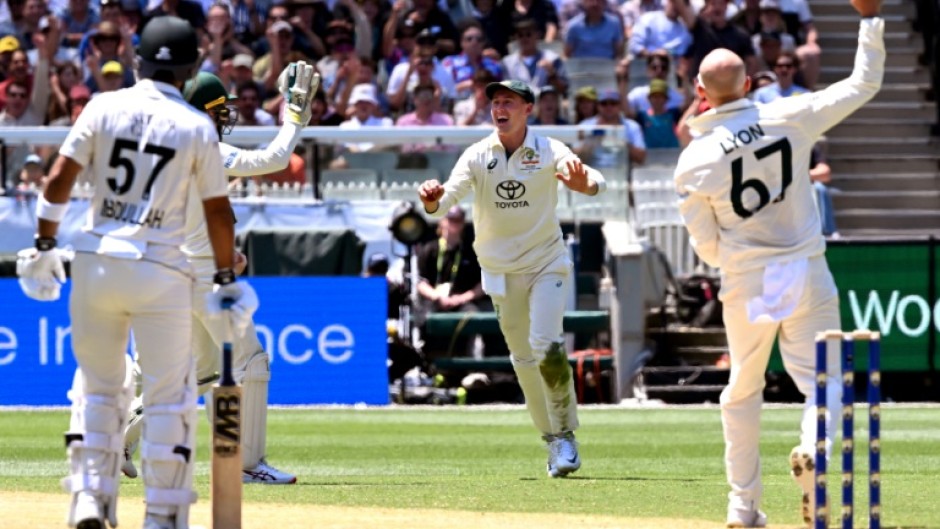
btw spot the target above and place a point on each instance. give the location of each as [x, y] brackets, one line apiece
[326, 338]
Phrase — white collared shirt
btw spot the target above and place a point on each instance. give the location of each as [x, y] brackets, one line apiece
[517, 230]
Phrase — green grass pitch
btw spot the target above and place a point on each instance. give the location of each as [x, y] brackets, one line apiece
[649, 462]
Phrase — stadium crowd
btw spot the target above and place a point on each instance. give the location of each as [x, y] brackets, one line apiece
[411, 62]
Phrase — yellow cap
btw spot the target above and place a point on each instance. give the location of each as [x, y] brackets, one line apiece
[112, 67]
[9, 43]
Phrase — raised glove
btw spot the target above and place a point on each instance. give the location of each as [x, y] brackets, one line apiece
[298, 83]
[236, 298]
[41, 273]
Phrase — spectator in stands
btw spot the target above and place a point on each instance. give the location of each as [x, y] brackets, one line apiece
[340, 43]
[131, 19]
[423, 65]
[8, 45]
[236, 71]
[424, 115]
[462, 66]
[568, 9]
[16, 24]
[61, 80]
[657, 67]
[799, 23]
[35, 82]
[20, 111]
[761, 79]
[110, 11]
[352, 13]
[426, 15]
[365, 102]
[532, 65]
[222, 42]
[247, 20]
[542, 12]
[475, 110]
[32, 14]
[250, 112]
[608, 113]
[785, 68]
[710, 31]
[188, 10]
[309, 19]
[496, 26]
[280, 36]
[377, 14]
[660, 32]
[321, 115]
[585, 103]
[594, 33]
[548, 108]
[768, 45]
[78, 97]
[450, 281]
[398, 49]
[77, 19]
[355, 71]
[108, 44]
[659, 121]
[748, 17]
[633, 10]
[32, 176]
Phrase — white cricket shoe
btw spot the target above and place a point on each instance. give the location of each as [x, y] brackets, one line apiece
[268, 475]
[89, 512]
[127, 466]
[803, 470]
[563, 458]
[738, 518]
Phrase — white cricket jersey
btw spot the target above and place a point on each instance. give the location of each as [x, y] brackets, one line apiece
[517, 230]
[147, 150]
[743, 183]
[238, 162]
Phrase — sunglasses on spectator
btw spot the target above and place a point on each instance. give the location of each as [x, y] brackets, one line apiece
[107, 38]
[473, 38]
[526, 34]
[17, 95]
[787, 65]
[426, 62]
[608, 102]
[658, 67]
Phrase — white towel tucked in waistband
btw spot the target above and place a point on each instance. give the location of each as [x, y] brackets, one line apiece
[783, 288]
[493, 284]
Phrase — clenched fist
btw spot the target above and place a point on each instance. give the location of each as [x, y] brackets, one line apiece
[430, 191]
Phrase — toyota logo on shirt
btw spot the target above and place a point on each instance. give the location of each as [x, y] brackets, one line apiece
[510, 190]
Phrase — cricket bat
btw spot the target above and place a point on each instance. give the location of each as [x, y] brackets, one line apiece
[226, 444]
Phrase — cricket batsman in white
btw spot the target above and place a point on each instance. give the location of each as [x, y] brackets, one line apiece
[746, 197]
[298, 83]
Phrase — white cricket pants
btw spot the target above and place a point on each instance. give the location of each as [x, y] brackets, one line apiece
[530, 317]
[750, 346]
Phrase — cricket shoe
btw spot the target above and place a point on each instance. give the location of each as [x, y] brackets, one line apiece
[563, 458]
[738, 518]
[127, 466]
[268, 475]
[89, 512]
[803, 470]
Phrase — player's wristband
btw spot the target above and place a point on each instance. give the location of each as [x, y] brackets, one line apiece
[44, 244]
[48, 211]
[224, 277]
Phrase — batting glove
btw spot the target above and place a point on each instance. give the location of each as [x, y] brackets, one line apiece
[298, 83]
[41, 273]
[236, 298]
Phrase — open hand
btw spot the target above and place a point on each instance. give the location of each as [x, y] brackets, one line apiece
[577, 177]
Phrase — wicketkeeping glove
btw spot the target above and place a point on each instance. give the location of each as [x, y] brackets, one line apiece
[244, 301]
[298, 83]
[41, 274]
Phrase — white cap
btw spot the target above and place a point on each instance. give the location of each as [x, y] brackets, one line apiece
[363, 92]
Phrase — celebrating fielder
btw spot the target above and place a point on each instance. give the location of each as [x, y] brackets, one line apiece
[148, 150]
[514, 175]
[747, 200]
[298, 84]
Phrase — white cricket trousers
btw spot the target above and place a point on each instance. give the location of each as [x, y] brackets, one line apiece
[750, 346]
[530, 317]
[109, 298]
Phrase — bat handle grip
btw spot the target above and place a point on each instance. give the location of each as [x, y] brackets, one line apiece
[227, 379]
